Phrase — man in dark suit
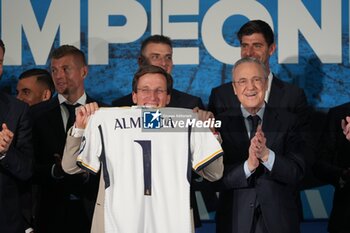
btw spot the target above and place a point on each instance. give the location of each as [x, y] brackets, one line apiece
[333, 165]
[66, 202]
[15, 158]
[257, 40]
[157, 50]
[262, 174]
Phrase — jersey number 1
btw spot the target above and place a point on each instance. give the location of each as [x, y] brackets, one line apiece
[146, 152]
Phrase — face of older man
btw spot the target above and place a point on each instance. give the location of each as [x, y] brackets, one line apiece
[250, 85]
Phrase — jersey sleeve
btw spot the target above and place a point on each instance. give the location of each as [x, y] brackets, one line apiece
[91, 146]
[205, 148]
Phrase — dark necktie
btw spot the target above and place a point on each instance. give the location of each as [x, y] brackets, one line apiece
[255, 122]
[71, 117]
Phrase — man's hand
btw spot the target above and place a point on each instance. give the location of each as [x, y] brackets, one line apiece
[345, 125]
[83, 114]
[204, 116]
[6, 137]
[252, 161]
[258, 145]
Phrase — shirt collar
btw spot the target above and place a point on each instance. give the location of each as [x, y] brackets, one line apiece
[260, 113]
[81, 100]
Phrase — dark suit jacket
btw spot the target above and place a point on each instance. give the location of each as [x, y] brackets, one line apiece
[333, 159]
[16, 166]
[283, 96]
[178, 99]
[55, 194]
[275, 190]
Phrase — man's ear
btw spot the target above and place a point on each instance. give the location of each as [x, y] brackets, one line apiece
[141, 60]
[134, 98]
[168, 99]
[46, 95]
[234, 89]
[85, 71]
[272, 49]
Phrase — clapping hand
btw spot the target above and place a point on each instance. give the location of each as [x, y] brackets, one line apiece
[345, 125]
[6, 137]
[258, 145]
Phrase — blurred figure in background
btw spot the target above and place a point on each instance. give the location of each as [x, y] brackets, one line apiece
[34, 86]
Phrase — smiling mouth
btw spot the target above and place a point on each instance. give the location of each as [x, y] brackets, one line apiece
[249, 95]
[151, 105]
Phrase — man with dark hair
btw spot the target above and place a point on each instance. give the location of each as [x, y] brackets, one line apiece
[65, 200]
[15, 158]
[34, 86]
[158, 50]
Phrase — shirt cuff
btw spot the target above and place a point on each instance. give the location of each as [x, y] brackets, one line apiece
[270, 161]
[77, 133]
[29, 230]
[246, 170]
[2, 156]
[53, 173]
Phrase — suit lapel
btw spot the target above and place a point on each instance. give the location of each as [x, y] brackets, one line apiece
[4, 108]
[271, 125]
[276, 93]
[55, 119]
[235, 136]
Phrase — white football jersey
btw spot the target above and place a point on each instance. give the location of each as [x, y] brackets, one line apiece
[147, 172]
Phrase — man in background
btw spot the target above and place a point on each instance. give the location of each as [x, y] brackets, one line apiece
[65, 200]
[34, 86]
[157, 50]
[16, 158]
[333, 165]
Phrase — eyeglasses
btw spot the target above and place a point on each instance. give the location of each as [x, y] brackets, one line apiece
[256, 81]
[147, 91]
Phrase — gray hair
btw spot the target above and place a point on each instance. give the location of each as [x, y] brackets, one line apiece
[251, 60]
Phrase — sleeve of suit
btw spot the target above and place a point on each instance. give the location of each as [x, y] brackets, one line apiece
[325, 166]
[289, 166]
[212, 102]
[19, 158]
[302, 108]
[234, 177]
